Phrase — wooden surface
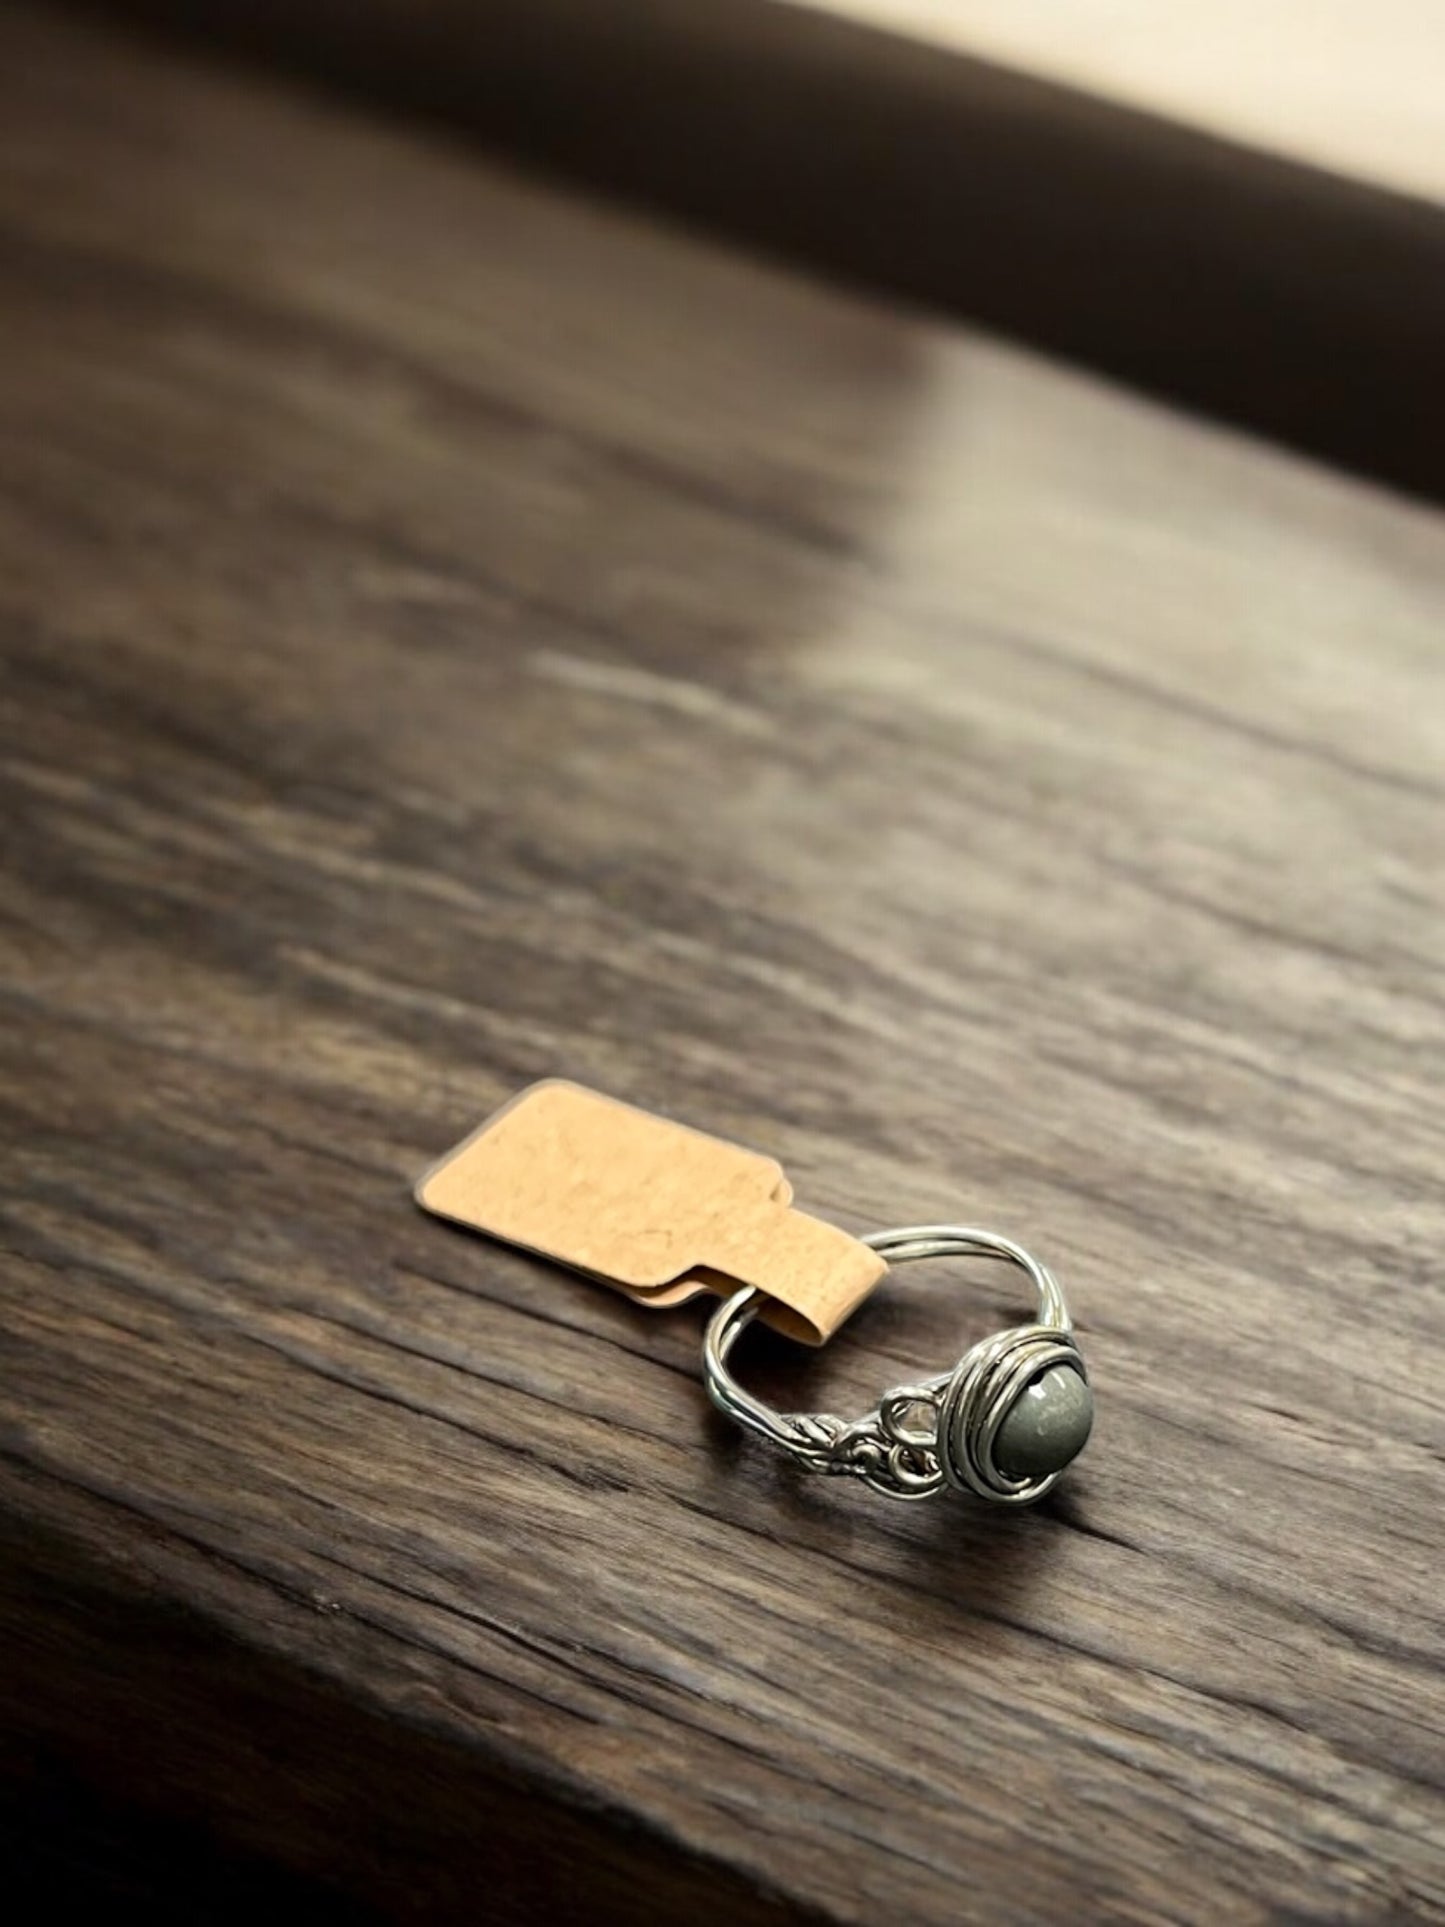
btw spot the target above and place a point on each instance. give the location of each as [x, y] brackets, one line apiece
[1180, 245]
[455, 634]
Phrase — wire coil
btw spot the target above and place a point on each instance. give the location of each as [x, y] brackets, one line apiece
[940, 1432]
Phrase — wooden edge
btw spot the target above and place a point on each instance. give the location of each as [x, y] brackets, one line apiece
[125, 1718]
[1302, 305]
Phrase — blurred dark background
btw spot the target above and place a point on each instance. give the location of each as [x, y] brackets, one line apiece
[1292, 286]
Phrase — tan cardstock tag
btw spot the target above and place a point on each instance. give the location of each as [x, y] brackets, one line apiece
[658, 1210]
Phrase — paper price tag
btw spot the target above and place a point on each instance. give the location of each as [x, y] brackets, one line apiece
[653, 1208]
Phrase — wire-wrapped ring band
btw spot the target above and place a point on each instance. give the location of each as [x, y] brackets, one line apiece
[1003, 1423]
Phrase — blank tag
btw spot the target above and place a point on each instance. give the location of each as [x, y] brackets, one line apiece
[660, 1211]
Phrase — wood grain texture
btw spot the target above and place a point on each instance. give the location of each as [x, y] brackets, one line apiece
[1281, 288]
[453, 634]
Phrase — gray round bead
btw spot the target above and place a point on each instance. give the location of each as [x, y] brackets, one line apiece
[1048, 1425]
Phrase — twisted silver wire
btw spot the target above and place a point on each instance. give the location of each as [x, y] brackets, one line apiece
[889, 1448]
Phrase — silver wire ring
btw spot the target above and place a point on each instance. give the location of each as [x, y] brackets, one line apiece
[1003, 1423]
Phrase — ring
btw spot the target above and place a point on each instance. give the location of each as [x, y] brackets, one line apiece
[1004, 1423]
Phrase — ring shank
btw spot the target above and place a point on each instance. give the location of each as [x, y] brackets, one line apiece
[799, 1434]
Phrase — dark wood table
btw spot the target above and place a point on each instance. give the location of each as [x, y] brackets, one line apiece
[455, 633]
[1262, 249]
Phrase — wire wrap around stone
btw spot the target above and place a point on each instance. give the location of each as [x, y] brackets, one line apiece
[939, 1432]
